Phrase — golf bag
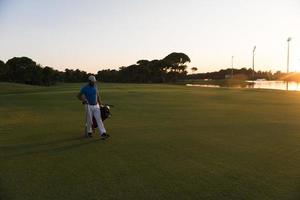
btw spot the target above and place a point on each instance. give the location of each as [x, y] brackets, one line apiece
[105, 113]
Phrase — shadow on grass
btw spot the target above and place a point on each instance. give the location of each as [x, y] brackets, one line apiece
[13, 151]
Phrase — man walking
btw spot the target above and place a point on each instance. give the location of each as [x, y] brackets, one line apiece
[89, 96]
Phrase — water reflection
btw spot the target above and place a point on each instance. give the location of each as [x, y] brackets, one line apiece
[203, 85]
[275, 85]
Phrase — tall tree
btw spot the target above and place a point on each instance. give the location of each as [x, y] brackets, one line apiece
[24, 70]
[177, 61]
[176, 66]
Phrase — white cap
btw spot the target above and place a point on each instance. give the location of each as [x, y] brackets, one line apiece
[92, 78]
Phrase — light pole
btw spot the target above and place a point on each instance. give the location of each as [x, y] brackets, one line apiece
[288, 55]
[232, 66]
[253, 62]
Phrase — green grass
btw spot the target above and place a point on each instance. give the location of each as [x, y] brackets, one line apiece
[168, 142]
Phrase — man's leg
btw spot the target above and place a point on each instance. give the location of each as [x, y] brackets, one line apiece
[97, 115]
[89, 119]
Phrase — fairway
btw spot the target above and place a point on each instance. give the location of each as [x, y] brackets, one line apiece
[167, 142]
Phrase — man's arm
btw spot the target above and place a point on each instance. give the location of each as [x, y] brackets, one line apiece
[81, 97]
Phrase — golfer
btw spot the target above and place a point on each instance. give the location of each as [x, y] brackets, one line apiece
[89, 96]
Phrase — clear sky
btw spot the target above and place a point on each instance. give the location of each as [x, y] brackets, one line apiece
[97, 34]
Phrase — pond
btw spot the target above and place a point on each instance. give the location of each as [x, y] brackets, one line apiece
[275, 85]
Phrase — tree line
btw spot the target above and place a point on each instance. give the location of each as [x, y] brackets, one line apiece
[172, 68]
[169, 69]
[25, 70]
[242, 73]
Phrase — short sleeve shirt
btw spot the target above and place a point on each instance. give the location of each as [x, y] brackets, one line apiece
[90, 93]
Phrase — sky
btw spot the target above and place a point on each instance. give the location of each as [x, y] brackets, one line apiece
[94, 34]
